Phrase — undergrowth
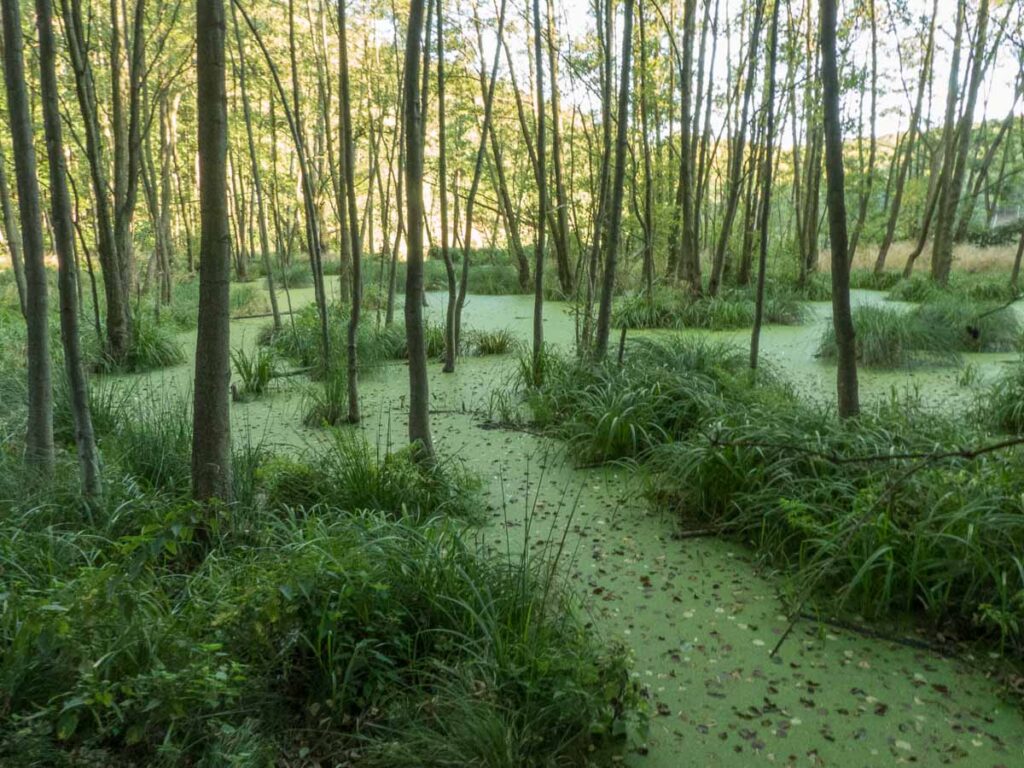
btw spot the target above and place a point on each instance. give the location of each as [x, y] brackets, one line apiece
[339, 606]
[936, 332]
[868, 515]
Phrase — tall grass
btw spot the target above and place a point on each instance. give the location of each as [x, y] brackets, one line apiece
[732, 308]
[865, 514]
[935, 332]
[1002, 404]
[340, 606]
[878, 535]
[153, 346]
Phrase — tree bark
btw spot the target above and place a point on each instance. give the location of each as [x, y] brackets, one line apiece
[13, 236]
[842, 320]
[257, 176]
[349, 157]
[39, 432]
[542, 206]
[419, 389]
[64, 244]
[211, 428]
[766, 188]
[904, 168]
[615, 213]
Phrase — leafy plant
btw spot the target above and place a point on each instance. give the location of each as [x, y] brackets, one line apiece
[256, 370]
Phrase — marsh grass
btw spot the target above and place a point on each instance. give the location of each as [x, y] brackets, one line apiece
[255, 369]
[936, 332]
[732, 308]
[1002, 404]
[830, 503]
[153, 346]
[362, 618]
[965, 286]
[878, 537]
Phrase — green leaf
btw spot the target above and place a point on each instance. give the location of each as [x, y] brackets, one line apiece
[66, 725]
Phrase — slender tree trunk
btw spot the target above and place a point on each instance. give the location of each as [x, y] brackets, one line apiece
[868, 183]
[64, 244]
[1015, 274]
[941, 256]
[116, 290]
[766, 187]
[419, 389]
[846, 377]
[13, 236]
[39, 433]
[450, 348]
[488, 89]
[904, 168]
[560, 230]
[349, 157]
[615, 214]
[211, 430]
[257, 178]
[542, 206]
[736, 157]
[647, 217]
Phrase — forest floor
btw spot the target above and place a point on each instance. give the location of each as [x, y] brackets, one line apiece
[701, 615]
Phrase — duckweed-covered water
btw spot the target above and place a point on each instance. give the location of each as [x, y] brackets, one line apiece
[700, 615]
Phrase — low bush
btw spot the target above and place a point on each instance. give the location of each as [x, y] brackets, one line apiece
[869, 280]
[349, 475]
[482, 343]
[963, 286]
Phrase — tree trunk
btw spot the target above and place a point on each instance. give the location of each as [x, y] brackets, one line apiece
[868, 183]
[450, 348]
[419, 389]
[542, 206]
[64, 244]
[257, 179]
[39, 433]
[488, 89]
[349, 160]
[211, 427]
[915, 119]
[604, 315]
[560, 230]
[13, 236]
[846, 377]
[956, 141]
[116, 290]
[766, 188]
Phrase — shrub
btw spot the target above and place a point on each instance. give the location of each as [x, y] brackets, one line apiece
[664, 389]
[868, 279]
[891, 338]
[328, 399]
[296, 275]
[346, 633]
